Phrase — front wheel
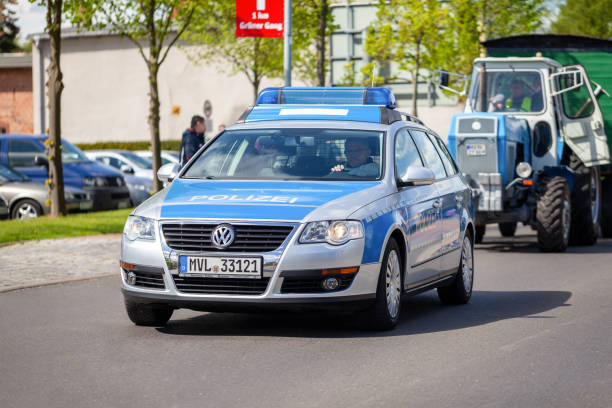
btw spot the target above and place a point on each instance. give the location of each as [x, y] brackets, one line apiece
[460, 291]
[507, 229]
[553, 215]
[586, 204]
[26, 209]
[385, 312]
[148, 315]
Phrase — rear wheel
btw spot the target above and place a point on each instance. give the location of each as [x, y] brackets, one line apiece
[553, 215]
[606, 207]
[385, 312]
[480, 232]
[586, 203]
[148, 315]
[507, 229]
[26, 209]
[460, 291]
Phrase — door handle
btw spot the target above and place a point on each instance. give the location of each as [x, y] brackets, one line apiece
[437, 203]
[459, 198]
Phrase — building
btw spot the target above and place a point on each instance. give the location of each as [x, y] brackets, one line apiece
[16, 111]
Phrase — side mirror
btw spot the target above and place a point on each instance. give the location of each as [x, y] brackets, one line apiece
[41, 161]
[126, 169]
[416, 176]
[443, 79]
[168, 172]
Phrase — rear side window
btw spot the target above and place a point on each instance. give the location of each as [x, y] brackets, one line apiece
[22, 153]
[447, 159]
[429, 152]
[406, 152]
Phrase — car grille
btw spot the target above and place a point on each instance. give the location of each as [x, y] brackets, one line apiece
[226, 286]
[484, 126]
[149, 280]
[248, 238]
[313, 285]
[114, 181]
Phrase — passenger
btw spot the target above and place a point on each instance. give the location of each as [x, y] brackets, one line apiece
[497, 103]
[358, 160]
[519, 101]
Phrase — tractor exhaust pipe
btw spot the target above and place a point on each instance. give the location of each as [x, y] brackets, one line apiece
[482, 86]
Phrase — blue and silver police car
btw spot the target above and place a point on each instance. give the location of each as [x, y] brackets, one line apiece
[316, 197]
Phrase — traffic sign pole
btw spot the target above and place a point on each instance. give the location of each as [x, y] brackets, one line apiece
[287, 43]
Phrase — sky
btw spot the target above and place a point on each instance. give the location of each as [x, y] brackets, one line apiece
[30, 18]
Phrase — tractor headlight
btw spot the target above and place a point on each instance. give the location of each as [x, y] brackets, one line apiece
[523, 169]
[332, 232]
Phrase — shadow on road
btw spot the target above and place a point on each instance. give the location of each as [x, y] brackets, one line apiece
[420, 314]
[528, 244]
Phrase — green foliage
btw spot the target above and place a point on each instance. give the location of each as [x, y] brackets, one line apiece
[8, 28]
[174, 145]
[105, 222]
[585, 17]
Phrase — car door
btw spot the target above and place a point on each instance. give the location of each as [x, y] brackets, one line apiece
[455, 195]
[22, 156]
[420, 215]
[582, 124]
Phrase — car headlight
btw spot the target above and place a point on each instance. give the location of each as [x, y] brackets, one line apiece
[141, 187]
[332, 232]
[120, 181]
[139, 228]
[94, 181]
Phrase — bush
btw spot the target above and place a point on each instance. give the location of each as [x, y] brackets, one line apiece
[174, 145]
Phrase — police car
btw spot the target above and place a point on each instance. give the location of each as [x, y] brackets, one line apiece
[316, 197]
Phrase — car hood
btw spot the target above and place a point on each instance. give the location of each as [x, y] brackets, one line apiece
[261, 200]
[88, 169]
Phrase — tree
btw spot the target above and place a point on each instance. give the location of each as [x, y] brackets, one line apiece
[410, 33]
[154, 26]
[8, 28]
[256, 57]
[585, 17]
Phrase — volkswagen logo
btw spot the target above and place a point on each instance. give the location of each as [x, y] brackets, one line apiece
[223, 236]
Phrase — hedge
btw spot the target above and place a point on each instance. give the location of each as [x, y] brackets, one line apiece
[174, 145]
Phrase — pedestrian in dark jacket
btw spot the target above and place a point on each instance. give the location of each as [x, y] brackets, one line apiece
[193, 138]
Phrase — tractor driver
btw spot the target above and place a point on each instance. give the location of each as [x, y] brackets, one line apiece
[519, 101]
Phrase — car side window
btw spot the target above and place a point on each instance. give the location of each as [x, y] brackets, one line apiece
[22, 153]
[447, 159]
[406, 152]
[430, 154]
[110, 161]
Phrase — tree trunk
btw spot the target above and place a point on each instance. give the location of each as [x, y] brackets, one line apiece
[54, 92]
[154, 123]
[321, 43]
[256, 82]
[415, 77]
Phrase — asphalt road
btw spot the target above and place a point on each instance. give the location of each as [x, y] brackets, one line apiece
[537, 333]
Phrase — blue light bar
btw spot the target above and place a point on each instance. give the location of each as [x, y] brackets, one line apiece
[351, 113]
[327, 96]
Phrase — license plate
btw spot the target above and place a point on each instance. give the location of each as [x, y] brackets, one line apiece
[86, 205]
[476, 149]
[221, 266]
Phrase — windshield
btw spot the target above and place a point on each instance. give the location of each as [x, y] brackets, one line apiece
[71, 153]
[8, 174]
[510, 91]
[137, 160]
[300, 154]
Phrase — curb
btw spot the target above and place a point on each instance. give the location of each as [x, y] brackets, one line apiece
[41, 284]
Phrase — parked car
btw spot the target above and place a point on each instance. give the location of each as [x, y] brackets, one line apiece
[4, 210]
[26, 153]
[167, 156]
[125, 161]
[27, 199]
[140, 188]
[346, 202]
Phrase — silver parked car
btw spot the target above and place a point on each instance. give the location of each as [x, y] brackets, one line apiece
[167, 156]
[27, 199]
[125, 161]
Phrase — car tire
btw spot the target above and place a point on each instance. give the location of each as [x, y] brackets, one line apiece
[26, 208]
[606, 207]
[586, 203]
[553, 214]
[507, 229]
[385, 312]
[148, 315]
[480, 233]
[460, 291]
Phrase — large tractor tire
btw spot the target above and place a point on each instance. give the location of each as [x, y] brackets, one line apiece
[606, 207]
[507, 229]
[586, 203]
[554, 214]
[480, 233]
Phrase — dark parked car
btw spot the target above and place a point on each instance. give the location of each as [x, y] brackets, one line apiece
[104, 186]
[27, 199]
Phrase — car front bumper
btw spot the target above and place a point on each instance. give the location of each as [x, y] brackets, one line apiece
[291, 261]
[109, 198]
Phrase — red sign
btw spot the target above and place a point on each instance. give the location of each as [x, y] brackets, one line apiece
[259, 18]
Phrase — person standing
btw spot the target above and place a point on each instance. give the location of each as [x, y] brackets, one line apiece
[193, 138]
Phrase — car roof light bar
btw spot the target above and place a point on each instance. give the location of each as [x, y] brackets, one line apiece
[327, 96]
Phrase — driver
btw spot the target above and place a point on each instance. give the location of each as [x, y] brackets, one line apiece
[519, 101]
[358, 160]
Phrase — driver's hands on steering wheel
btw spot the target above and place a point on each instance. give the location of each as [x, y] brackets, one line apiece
[338, 168]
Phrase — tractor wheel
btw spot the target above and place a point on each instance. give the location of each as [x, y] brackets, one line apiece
[480, 233]
[554, 214]
[606, 207]
[507, 229]
[586, 203]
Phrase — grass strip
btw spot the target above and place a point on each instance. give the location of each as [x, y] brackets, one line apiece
[74, 225]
